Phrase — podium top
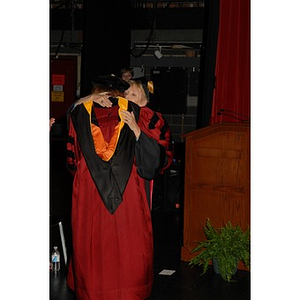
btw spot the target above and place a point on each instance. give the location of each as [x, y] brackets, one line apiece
[218, 127]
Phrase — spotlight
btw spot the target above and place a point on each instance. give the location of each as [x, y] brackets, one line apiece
[157, 53]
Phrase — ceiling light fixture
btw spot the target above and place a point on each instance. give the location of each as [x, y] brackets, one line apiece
[157, 53]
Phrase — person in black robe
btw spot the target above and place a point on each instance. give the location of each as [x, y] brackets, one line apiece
[116, 147]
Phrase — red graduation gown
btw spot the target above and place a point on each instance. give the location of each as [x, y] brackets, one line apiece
[113, 251]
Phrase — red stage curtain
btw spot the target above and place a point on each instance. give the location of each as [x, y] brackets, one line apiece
[232, 86]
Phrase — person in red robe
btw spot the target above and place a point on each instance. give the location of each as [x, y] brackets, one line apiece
[115, 148]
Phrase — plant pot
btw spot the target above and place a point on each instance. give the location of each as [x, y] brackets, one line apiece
[216, 266]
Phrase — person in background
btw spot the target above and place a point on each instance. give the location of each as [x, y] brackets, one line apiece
[115, 149]
[126, 74]
[51, 122]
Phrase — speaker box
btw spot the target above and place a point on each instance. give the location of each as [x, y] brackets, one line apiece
[170, 90]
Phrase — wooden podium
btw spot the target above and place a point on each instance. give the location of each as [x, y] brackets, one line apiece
[217, 181]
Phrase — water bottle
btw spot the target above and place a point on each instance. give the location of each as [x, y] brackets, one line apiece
[55, 259]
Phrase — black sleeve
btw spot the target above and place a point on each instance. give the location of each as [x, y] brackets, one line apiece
[150, 157]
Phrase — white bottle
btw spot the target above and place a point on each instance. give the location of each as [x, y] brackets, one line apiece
[55, 259]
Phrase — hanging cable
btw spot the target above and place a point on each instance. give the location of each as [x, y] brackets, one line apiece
[59, 44]
[152, 30]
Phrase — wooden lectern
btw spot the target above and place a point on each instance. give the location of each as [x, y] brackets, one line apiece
[217, 181]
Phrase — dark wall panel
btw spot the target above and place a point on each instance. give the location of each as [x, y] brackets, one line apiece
[170, 89]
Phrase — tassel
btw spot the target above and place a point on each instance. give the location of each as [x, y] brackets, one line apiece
[150, 86]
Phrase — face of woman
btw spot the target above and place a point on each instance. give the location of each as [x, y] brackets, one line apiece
[136, 95]
[126, 76]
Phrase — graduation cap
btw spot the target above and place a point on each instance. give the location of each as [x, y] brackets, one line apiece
[110, 81]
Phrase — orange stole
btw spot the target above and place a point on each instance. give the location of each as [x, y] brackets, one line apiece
[106, 149]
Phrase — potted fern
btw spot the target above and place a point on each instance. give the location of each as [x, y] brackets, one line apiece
[224, 246]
